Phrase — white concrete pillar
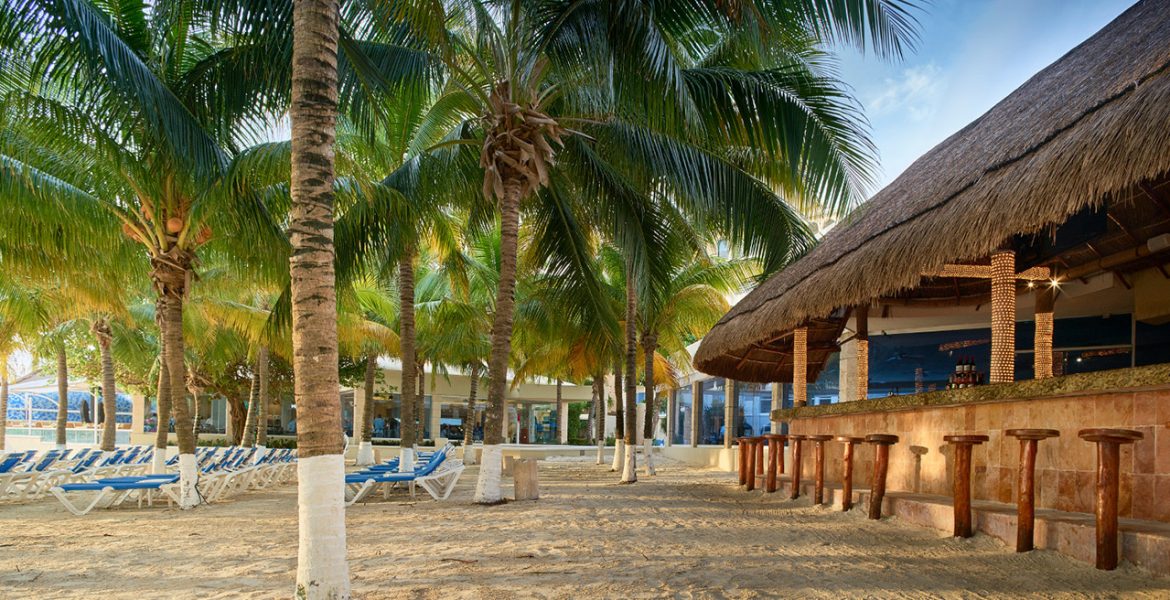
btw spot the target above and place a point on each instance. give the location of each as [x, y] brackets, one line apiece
[137, 413]
[435, 418]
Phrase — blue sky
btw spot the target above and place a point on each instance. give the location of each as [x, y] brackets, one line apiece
[972, 54]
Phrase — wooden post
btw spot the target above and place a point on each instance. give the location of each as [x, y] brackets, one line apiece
[862, 318]
[752, 458]
[743, 459]
[962, 480]
[847, 476]
[1109, 443]
[775, 459]
[796, 460]
[1003, 316]
[696, 412]
[881, 465]
[819, 466]
[1042, 341]
[800, 366]
[525, 479]
[1026, 498]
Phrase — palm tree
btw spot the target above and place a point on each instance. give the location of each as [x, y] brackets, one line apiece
[322, 569]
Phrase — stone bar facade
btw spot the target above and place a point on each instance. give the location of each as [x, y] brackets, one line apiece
[1065, 467]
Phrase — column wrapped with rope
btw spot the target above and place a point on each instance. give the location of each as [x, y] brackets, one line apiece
[800, 366]
[1042, 344]
[862, 318]
[1003, 316]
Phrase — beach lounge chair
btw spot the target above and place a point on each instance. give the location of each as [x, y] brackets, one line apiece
[114, 491]
[438, 477]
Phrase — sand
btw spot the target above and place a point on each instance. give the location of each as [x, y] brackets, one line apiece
[683, 534]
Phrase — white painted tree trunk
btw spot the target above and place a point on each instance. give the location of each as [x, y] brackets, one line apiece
[365, 454]
[158, 462]
[406, 460]
[619, 455]
[630, 472]
[188, 477]
[469, 454]
[322, 571]
[648, 451]
[487, 487]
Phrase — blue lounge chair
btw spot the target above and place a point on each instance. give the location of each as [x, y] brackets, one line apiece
[438, 477]
[114, 491]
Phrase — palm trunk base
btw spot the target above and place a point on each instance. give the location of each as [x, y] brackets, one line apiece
[406, 460]
[188, 477]
[469, 454]
[322, 570]
[648, 451]
[619, 455]
[158, 461]
[630, 472]
[365, 454]
[487, 487]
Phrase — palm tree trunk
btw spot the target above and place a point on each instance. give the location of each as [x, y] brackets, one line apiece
[322, 569]
[365, 428]
[469, 421]
[649, 346]
[619, 418]
[249, 438]
[262, 399]
[420, 414]
[408, 431]
[487, 488]
[101, 330]
[163, 419]
[62, 394]
[598, 429]
[195, 414]
[629, 473]
[169, 275]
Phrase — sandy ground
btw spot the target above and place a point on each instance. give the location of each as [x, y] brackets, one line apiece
[682, 534]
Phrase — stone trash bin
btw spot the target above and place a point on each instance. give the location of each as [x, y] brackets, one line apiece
[525, 479]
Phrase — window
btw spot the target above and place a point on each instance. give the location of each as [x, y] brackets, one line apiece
[682, 415]
[711, 419]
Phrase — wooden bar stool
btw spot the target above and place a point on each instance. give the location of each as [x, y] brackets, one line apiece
[743, 459]
[881, 463]
[775, 459]
[753, 444]
[760, 441]
[962, 486]
[819, 465]
[1109, 443]
[1026, 499]
[847, 476]
[796, 460]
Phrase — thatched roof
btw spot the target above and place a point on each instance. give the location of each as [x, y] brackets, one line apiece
[1093, 124]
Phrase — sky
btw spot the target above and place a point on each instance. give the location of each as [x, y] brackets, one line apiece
[971, 55]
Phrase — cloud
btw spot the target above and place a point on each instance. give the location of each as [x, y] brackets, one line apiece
[916, 91]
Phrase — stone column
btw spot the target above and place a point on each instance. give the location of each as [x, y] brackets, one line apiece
[1003, 316]
[436, 416]
[138, 413]
[359, 412]
[800, 366]
[1042, 343]
[696, 411]
[728, 412]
